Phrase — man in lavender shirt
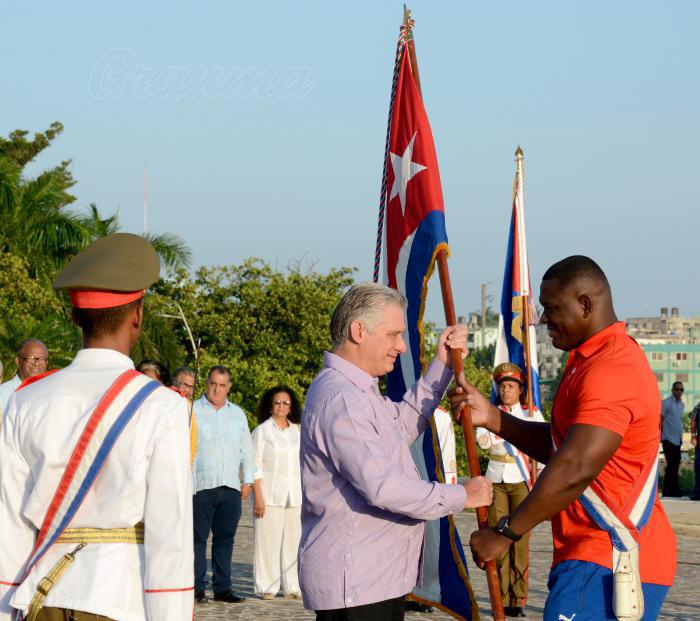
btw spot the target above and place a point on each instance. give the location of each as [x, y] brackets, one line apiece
[364, 505]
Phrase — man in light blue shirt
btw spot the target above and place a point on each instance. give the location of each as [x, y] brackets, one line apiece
[223, 475]
[672, 411]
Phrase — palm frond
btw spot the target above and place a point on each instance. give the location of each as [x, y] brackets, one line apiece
[97, 225]
[173, 251]
[9, 185]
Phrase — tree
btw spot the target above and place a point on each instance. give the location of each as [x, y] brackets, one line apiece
[174, 253]
[267, 326]
[34, 221]
[484, 356]
[32, 310]
[39, 234]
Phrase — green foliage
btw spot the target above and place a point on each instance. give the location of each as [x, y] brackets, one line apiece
[477, 371]
[39, 234]
[481, 378]
[484, 356]
[23, 295]
[31, 310]
[34, 221]
[174, 253]
[267, 326]
[23, 151]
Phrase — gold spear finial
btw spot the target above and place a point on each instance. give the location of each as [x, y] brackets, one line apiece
[519, 153]
[408, 21]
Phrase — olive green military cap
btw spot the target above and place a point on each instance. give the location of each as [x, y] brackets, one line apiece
[508, 371]
[117, 263]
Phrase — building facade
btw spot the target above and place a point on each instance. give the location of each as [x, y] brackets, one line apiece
[672, 346]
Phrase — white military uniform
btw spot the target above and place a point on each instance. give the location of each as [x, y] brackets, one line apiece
[446, 439]
[146, 478]
[501, 471]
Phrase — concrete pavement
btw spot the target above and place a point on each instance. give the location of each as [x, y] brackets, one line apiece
[681, 603]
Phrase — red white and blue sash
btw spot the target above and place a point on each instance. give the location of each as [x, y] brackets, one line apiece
[105, 425]
[623, 523]
[520, 462]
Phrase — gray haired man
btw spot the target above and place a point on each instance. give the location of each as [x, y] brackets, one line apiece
[363, 500]
[183, 380]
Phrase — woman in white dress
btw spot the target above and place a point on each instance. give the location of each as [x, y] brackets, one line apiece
[277, 493]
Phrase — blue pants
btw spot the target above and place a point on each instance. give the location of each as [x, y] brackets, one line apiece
[585, 589]
[217, 511]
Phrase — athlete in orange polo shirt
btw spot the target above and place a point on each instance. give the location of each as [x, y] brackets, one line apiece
[605, 423]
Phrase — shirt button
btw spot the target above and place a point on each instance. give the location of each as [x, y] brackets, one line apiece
[349, 600]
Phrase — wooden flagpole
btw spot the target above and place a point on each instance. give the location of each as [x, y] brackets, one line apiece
[482, 515]
[528, 373]
[525, 301]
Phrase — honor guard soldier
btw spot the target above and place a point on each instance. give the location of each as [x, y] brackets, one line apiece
[510, 472]
[95, 487]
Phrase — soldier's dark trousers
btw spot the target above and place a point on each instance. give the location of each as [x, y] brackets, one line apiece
[513, 565]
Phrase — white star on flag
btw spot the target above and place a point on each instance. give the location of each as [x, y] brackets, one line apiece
[404, 171]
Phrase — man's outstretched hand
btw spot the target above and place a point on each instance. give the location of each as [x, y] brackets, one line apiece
[452, 337]
[487, 545]
[467, 395]
[479, 492]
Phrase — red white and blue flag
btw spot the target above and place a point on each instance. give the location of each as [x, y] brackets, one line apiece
[510, 344]
[411, 233]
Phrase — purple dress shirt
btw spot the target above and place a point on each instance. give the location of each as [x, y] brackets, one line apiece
[364, 504]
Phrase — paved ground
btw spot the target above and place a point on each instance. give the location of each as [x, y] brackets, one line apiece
[681, 602]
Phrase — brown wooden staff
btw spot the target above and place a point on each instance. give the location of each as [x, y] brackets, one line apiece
[482, 516]
[528, 374]
[525, 308]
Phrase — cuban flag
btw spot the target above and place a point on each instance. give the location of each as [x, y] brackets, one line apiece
[414, 233]
[510, 346]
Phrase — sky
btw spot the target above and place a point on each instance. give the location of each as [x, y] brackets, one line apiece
[262, 127]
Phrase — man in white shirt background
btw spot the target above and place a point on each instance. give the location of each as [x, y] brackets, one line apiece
[32, 359]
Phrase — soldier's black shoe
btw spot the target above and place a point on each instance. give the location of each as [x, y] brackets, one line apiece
[200, 597]
[228, 596]
[514, 611]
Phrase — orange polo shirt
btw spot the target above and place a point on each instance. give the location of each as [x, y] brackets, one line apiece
[608, 383]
